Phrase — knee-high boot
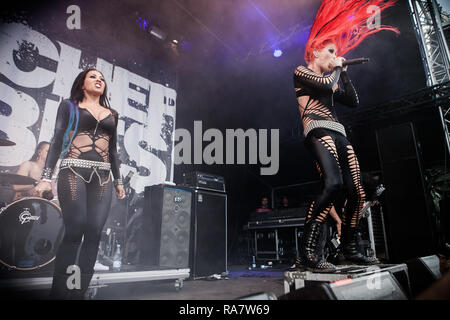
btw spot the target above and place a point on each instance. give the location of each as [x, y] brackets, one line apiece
[350, 247]
[312, 246]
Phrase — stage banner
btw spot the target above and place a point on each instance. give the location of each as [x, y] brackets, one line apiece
[37, 70]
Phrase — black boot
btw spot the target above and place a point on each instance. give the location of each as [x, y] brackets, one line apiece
[80, 294]
[351, 250]
[320, 249]
[60, 290]
[311, 248]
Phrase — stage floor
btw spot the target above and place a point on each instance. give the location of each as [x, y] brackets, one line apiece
[240, 282]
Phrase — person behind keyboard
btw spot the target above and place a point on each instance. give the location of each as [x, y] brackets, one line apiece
[264, 205]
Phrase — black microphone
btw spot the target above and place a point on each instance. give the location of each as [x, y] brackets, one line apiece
[354, 61]
[128, 177]
[48, 195]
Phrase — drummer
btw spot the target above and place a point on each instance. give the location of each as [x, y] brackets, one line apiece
[33, 169]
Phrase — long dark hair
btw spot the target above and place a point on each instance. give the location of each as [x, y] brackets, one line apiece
[77, 94]
[38, 148]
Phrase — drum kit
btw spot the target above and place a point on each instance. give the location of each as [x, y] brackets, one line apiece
[31, 228]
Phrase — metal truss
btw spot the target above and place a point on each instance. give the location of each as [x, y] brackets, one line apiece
[426, 18]
[415, 102]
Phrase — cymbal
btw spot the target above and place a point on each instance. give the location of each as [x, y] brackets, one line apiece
[12, 178]
[6, 142]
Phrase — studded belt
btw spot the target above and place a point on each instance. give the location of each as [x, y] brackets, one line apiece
[81, 163]
[330, 125]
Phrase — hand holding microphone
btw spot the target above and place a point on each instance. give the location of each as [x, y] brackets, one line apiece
[341, 62]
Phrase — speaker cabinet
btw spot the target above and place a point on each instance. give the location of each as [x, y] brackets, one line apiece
[423, 273]
[379, 286]
[209, 233]
[166, 226]
[409, 225]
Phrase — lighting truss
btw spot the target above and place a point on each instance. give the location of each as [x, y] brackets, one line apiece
[415, 102]
[435, 53]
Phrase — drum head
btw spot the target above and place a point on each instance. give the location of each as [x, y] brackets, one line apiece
[31, 230]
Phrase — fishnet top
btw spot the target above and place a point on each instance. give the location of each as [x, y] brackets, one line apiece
[321, 98]
[94, 140]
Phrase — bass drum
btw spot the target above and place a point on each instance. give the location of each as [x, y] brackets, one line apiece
[31, 230]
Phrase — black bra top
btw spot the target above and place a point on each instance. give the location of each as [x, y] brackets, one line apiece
[94, 139]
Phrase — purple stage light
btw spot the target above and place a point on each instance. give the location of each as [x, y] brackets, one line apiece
[144, 23]
[186, 45]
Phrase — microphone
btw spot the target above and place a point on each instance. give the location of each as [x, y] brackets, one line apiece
[128, 177]
[354, 61]
[47, 195]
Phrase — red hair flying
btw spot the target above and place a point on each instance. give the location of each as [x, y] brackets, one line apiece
[344, 23]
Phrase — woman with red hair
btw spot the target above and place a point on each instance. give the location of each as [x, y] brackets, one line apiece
[339, 26]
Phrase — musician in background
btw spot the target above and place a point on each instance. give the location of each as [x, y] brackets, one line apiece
[33, 169]
[285, 203]
[264, 205]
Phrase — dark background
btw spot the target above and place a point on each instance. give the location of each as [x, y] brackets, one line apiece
[224, 78]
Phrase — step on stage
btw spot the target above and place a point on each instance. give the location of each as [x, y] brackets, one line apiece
[16, 285]
[393, 277]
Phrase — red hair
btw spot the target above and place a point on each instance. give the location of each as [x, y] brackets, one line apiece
[344, 23]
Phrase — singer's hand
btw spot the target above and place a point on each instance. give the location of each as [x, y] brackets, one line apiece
[341, 61]
[337, 62]
[120, 192]
[43, 186]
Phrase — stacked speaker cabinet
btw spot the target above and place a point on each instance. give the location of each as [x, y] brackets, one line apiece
[209, 233]
[185, 226]
[409, 226]
[166, 226]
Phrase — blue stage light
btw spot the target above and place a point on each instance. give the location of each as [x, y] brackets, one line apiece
[277, 53]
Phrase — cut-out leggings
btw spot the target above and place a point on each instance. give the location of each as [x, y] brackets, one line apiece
[85, 208]
[338, 167]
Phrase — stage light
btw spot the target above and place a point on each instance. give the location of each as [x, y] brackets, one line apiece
[277, 53]
[158, 33]
[146, 25]
[175, 41]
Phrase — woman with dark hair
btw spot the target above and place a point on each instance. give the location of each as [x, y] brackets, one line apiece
[339, 26]
[85, 140]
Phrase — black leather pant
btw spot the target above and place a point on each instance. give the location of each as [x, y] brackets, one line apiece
[338, 167]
